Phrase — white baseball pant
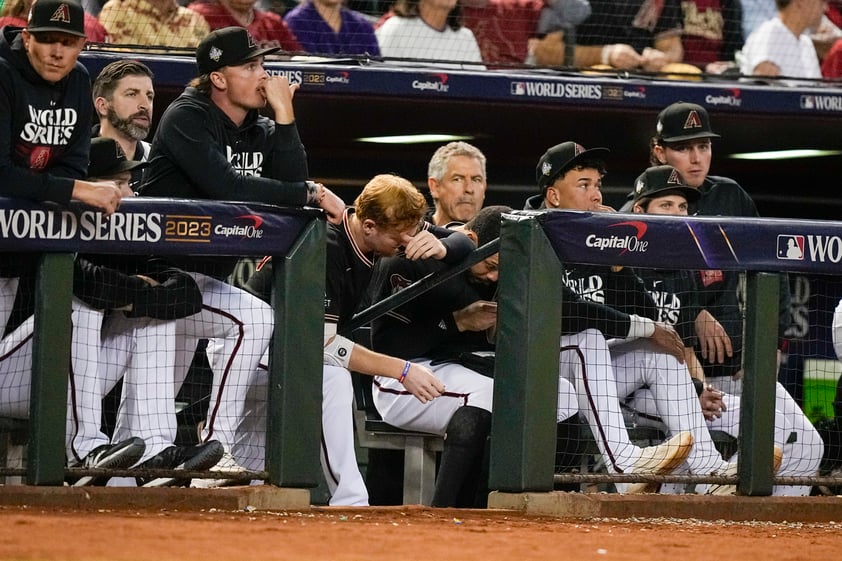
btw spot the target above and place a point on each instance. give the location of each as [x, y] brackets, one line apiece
[462, 385]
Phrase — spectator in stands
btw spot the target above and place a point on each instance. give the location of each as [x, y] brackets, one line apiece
[152, 23]
[712, 33]
[502, 28]
[387, 217]
[662, 190]
[327, 27]
[431, 31]
[268, 28]
[626, 35]
[45, 120]
[832, 63]
[457, 181]
[124, 100]
[781, 46]
[553, 40]
[212, 143]
[756, 12]
[15, 12]
[570, 177]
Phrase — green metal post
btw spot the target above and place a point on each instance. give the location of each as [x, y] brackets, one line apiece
[757, 416]
[293, 425]
[50, 367]
[526, 370]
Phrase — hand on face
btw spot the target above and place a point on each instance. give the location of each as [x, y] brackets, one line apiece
[279, 94]
[423, 245]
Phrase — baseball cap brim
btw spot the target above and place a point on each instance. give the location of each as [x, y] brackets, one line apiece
[589, 154]
[692, 195]
[683, 137]
[51, 29]
[254, 53]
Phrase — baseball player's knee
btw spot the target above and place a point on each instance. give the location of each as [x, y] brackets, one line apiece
[469, 426]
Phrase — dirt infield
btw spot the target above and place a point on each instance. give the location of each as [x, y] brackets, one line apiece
[406, 533]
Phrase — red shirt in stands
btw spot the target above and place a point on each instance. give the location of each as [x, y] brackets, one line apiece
[266, 27]
[503, 28]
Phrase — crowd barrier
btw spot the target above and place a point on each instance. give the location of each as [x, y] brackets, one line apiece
[533, 247]
[148, 226]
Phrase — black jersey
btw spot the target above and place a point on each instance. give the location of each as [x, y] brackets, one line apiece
[349, 270]
[675, 296]
[425, 327]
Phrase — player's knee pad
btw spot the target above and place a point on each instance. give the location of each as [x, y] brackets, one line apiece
[469, 426]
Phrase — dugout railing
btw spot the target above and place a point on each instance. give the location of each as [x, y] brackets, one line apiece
[293, 237]
[533, 246]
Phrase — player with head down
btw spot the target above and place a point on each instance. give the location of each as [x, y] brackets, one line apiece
[386, 219]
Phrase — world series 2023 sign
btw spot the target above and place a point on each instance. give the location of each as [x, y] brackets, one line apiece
[148, 225]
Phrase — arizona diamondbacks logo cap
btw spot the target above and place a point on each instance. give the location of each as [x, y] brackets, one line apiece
[62, 16]
[684, 121]
[229, 46]
[660, 181]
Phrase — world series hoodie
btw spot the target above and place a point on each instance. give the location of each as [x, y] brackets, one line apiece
[45, 129]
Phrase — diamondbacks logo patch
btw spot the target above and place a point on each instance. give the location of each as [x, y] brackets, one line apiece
[62, 14]
[252, 44]
[674, 178]
[215, 54]
[693, 121]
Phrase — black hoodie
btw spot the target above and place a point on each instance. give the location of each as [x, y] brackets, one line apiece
[48, 126]
[199, 153]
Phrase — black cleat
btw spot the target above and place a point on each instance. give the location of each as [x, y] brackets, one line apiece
[110, 456]
[187, 458]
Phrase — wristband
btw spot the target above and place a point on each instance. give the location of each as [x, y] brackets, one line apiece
[605, 54]
[405, 372]
[312, 192]
[698, 385]
[640, 327]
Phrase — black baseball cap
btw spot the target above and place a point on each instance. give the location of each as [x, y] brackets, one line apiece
[108, 159]
[562, 157]
[683, 121]
[660, 181]
[63, 16]
[229, 46]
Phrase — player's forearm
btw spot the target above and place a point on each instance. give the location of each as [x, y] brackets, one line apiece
[366, 361]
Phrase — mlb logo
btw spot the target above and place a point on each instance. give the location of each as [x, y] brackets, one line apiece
[518, 88]
[791, 247]
[808, 102]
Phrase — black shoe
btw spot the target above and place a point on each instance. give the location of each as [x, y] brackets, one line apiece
[110, 456]
[188, 458]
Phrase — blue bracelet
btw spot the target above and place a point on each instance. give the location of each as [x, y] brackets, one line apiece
[405, 372]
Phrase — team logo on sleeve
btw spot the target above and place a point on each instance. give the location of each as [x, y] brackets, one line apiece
[398, 282]
[791, 247]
